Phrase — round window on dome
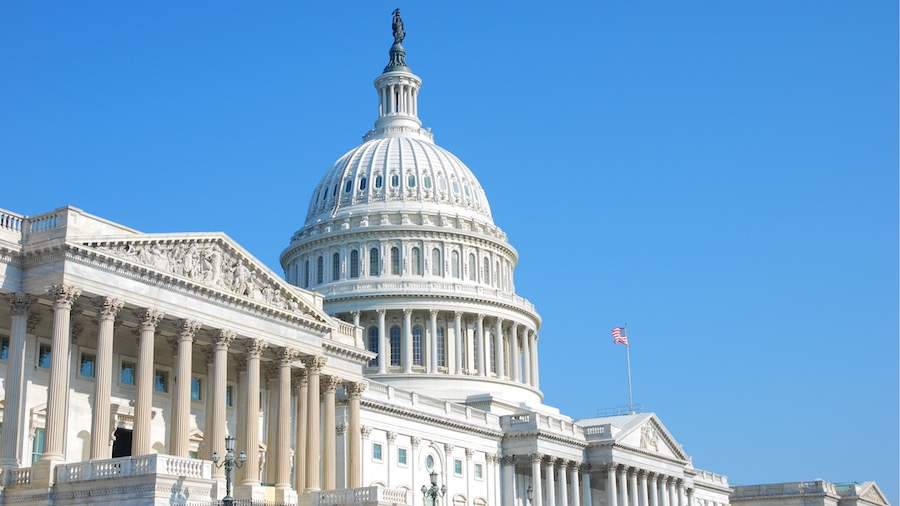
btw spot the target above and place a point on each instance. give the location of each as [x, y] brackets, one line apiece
[411, 181]
[427, 182]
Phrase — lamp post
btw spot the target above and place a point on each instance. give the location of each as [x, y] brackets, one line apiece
[229, 463]
[434, 491]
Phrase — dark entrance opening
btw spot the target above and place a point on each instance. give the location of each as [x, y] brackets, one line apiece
[122, 444]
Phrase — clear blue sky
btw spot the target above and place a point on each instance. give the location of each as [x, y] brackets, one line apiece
[720, 175]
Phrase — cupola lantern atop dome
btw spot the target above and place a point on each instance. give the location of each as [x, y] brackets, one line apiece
[398, 93]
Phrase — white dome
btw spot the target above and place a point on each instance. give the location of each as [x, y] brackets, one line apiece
[399, 173]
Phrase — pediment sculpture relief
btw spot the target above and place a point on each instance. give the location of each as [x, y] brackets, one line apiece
[649, 438]
[209, 263]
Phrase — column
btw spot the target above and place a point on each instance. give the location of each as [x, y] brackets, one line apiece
[611, 493]
[222, 339]
[661, 491]
[526, 354]
[64, 297]
[209, 445]
[479, 345]
[586, 484]
[509, 479]
[286, 357]
[500, 363]
[536, 380]
[458, 343]
[384, 355]
[642, 489]
[20, 303]
[573, 478]
[653, 489]
[354, 393]
[143, 399]
[536, 479]
[433, 341]
[632, 487]
[240, 365]
[561, 466]
[407, 340]
[682, 500]
[181, 418]
[551, 487]
[107, 309]
[690, 497]
[514, 352]
[673, 492]
[255, 348]
[329, 450]
[391, 451]
[302, 387]
[623, 486]
[314, 367]
[355, 316]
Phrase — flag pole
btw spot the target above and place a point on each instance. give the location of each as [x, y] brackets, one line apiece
[628, 358]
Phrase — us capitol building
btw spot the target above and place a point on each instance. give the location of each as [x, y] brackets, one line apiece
[393, 357]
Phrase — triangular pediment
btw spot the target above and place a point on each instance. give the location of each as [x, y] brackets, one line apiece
[214, 261]
[649, 434]
[870, 493]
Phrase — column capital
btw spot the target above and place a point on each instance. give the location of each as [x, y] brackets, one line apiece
[433, 312]
[490, 458]
[315, 363]
[407, 313]
[20, 302]
[448, 448]
[222, 338]
[457, 314]
[355, 389]
[508, 460]
[341, 429]
[480, 317]
[365, 430]
[286, 356]
[149, 318]
[355, 313]
[469, 453]
[498, 321]
[63, 296]
[536, 457]
[255, 347]
[329, 383]
[415, 441]
[380, 311]
[187, 329]
[391, 437]
[107, 307]
[300, 378]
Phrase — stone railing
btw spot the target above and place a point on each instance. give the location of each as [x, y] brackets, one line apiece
[522, 422]
[133, 466]
[597, 432]
[435, 287]
[706, 476]
[19, 477]
[438, 407]
[370, 495]
[347, 332]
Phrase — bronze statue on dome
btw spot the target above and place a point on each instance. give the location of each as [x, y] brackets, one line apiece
[397, 26]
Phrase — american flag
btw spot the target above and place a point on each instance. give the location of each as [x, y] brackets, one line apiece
[620, 336]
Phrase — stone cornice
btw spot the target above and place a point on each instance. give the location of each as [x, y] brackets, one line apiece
[349, 352]
[546, 436]
[635, 450]
[429, 418]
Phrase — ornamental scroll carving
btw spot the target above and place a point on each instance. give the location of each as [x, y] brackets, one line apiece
[209, 263]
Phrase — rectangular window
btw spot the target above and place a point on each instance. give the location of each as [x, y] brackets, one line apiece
[229, 396]
[126, 375]
[457, 467]
[44, 356]
[401, 456]
[37, 445]
[196, 389]
[86, 367]
[376, 451]
[479, 471]
[4, 348]
[161, 381]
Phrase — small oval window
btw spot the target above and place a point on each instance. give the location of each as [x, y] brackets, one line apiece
[455, 187]
[395, 180]
[466, 187]
[335, 190]
[429, 462]
[442, 184]
[427, 182]
[378, 181]
[348, 186]
[325, 196]
[411, 181]
[362, 183]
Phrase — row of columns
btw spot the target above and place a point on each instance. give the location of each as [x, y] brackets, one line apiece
[469, 340]
[559, 474]
[630, 486]
[307, 381]
[399, 99]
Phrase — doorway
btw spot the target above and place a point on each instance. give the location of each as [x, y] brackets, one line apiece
[122, 444]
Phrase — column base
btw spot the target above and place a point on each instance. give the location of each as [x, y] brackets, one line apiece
[43, 472]
[253, 492]
[285, 495]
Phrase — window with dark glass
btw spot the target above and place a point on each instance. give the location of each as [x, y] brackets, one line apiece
[416, 261]
[306, 274]
[435, 262]
[86, 366]
[374, 267]
[379, 181]
[411, 181]
[4, 347]
[320, 270]
[373, 344]
[348, 186]
[44, 356]
[395, 260]
[161, 381]
[395, 345]
[441, 347]
[126, 374]
[417, 345]
[362, 183]
[229, 396]
[395, 180]
[336, 267]
[486, 271]
[473, 267]
[454, 264]
[426, 181]
[37, 445]
[196, 388]
[354, 264]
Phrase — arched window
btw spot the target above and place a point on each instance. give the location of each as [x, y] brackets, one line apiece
[417, 345]
[336, 267]
[491, 367]
[473, 267]
[395, 345]
[497, 274]
[486, 271]
[306, 274]
[374, 267]
[395, 261]
[416, 261]
[435, 262]
[454, 264]
[441, 347]
[320, 270]
[354, 263]
[373, 344]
